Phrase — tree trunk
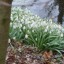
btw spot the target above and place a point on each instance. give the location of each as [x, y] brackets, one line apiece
[60, 16]
[5, 12]
[61, 10]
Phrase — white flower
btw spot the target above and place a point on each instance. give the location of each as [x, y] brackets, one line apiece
[58, 31]
[62, 30]
[36, 39]
[20, 30]
[22, 20]
[14, 38]
[26, 36]
[16, 18]
[50, 32]
[7, 57]
[24, 27]
[59, 27]
[11, 23]
[32, 30]
[45, 30]
[28, 31]
[50, 21]
[23, 17]
[47, 27]
[20, 25]
[14, 26]
[9, 40]
[54, 26]
[61, 35]
[43, 23]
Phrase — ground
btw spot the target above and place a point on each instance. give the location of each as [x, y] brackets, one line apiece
[19, 53]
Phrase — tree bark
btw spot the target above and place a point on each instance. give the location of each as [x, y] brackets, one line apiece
[60, 16]
[5, 12]
[61, 11]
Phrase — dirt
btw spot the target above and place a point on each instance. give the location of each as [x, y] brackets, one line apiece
[26, 54]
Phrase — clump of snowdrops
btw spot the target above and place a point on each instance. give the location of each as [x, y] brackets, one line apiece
[41, 33]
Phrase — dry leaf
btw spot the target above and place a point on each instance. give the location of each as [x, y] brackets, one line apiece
[47, 55]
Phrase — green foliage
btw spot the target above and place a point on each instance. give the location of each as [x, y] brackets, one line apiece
[45, 40]
[41, 33]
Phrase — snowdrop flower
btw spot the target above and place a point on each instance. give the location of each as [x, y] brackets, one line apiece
[59, 27]
[36, 39]
[26, 19]
[20, 25]
[54, 26]
[16, 18]
[36, 16]
[23, 17]
[9, 40]
[14, 38]
[11, 23]
[14, 26]
[50, 32]
[45, 30]
[32, 21]
[63, 30]
[50, 21]
[33, 24]
[61, 35]
[58, 31]
[24, 28]
[6, 58]
[28, 31]
[12, 18]
[40, 20]
[20, 30]
[32, 30]
[22, 20]
[27, 22]
[44, 22]
[26, 36]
